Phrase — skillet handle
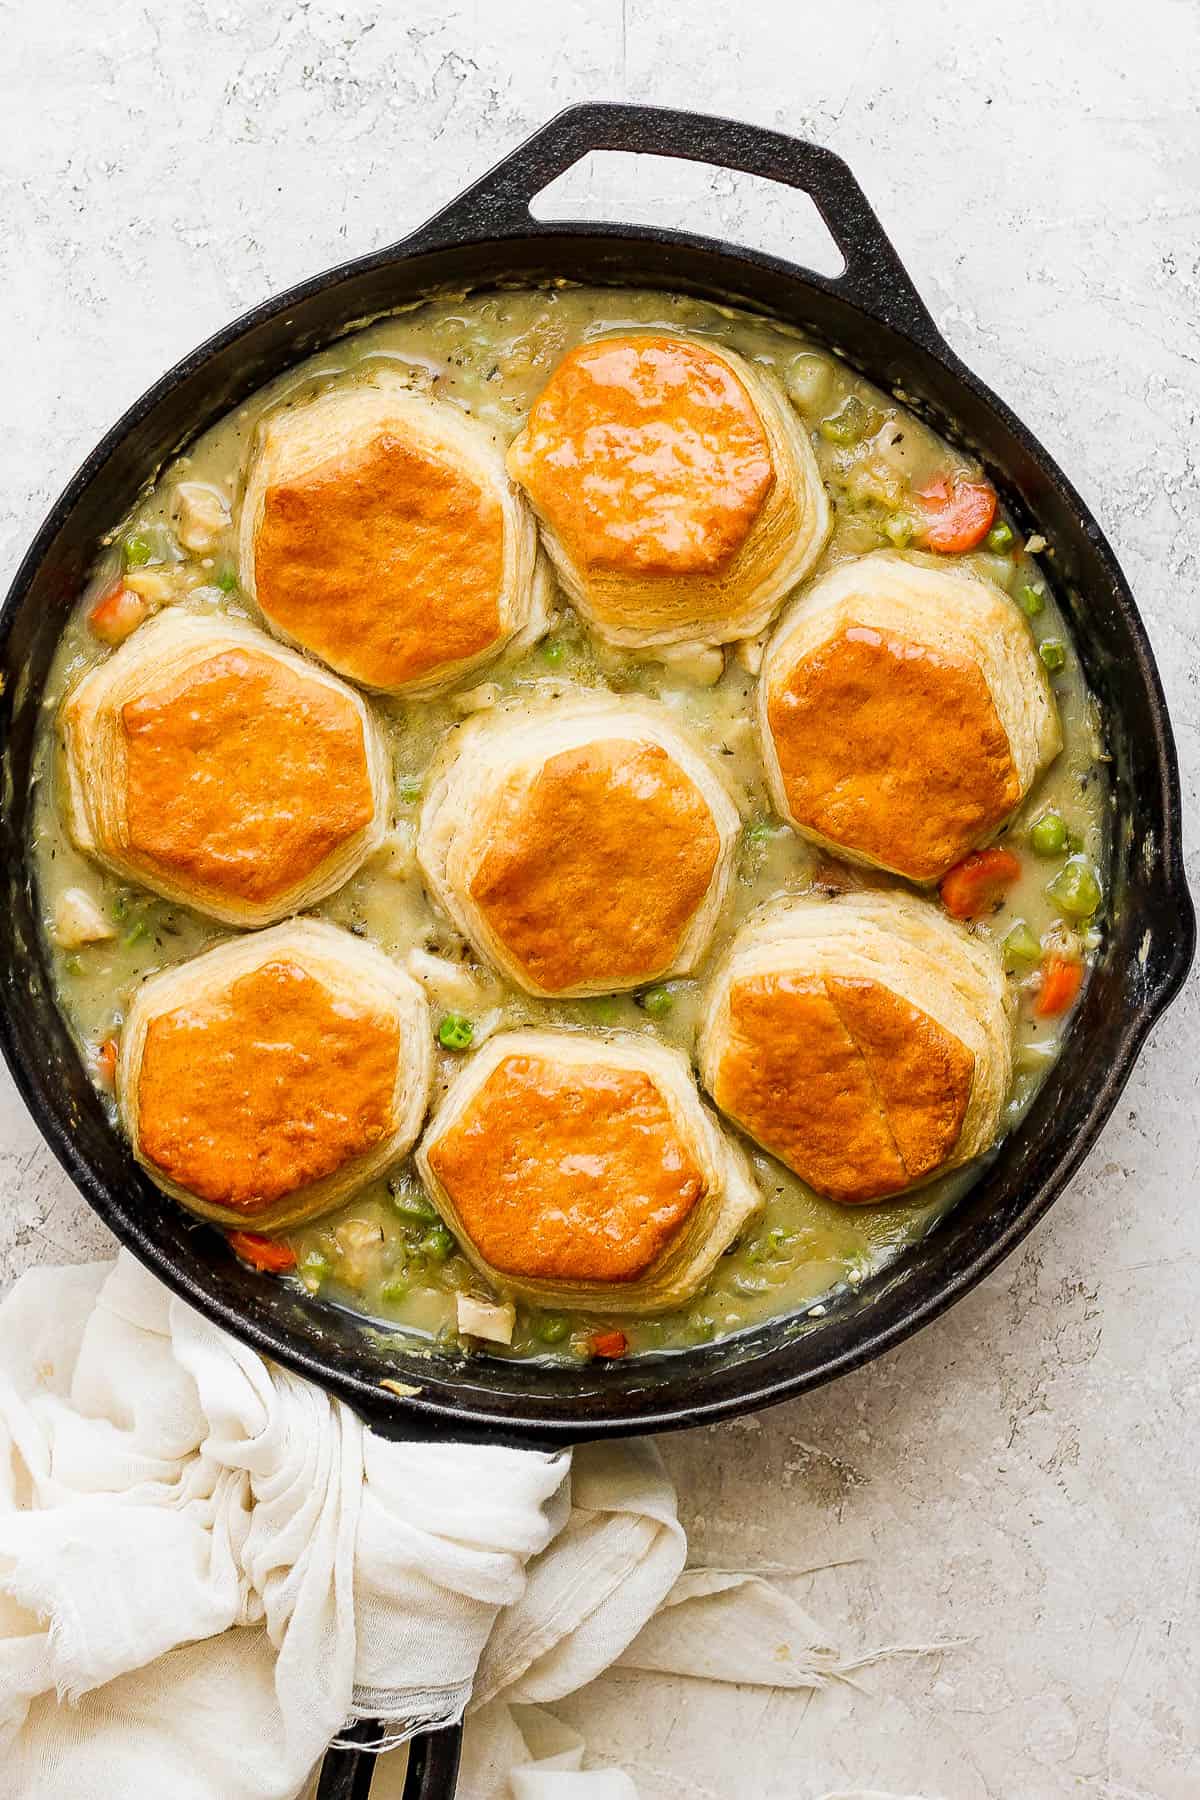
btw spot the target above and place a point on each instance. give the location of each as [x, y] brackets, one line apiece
[347, 1773]
[497, 205]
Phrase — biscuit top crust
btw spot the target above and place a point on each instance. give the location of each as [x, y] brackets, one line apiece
[243, 775]
[386, 562]
[646, 456]
[567, 1173]
[855, 1089]
[599, 865]
[893, 749]
[252, 1092]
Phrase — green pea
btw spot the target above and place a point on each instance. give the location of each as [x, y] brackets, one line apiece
[850, 423]
[808, 380]
[1031, 600]
[73, 966]
[137, 551]
[551, 1328]
[761, 831]
[1053, 653]
[657, 1002]
[1075, 889]
[437, 1244]
[315, 1267]
[410, 793]
[411, 1203]
[899, 530]
[227, 580]
[1021, 947]
[1000, 538]
[1048, 835]
[553, 651]
[455, 1032]
[396, 1287]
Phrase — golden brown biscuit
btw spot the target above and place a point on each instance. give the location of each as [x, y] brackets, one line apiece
[379, 531]
[264, 1080]
[582, 843]
[583, 1170]
[864, 1041]
[678, 492]
[220, 770]
[904, 713]
[600, 1206]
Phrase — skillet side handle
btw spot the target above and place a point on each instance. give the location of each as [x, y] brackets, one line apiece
[347, 1773]
[497, 205]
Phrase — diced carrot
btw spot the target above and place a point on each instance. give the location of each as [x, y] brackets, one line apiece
[958, 513]
[262, 1252]
[975, 886]
[116, 614]
[610, 1344]
[106, 1062]
[1062, 978]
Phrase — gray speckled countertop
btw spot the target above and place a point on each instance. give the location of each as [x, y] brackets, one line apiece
[1023, 1476]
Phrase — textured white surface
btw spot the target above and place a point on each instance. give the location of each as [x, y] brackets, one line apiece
[1023, 1475]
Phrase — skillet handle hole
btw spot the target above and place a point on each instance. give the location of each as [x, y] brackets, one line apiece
[624, 187]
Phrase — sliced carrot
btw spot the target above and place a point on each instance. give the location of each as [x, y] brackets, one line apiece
[975, 886]
[117, 613]
[958, 513]
[106, 1062]
[1062, 978]
[262, 1252]
[610, 1344]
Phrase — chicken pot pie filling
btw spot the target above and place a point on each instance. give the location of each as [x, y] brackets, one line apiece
[697, 477]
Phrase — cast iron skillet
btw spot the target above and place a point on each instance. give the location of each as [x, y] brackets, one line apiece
[873, 316]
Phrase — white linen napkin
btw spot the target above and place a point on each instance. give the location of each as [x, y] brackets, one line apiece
[208, 1565]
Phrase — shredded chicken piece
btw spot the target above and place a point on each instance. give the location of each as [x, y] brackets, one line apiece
[701, 663]
[453, 984]
[476, 699]
[151, 584]
[201, 515]
[485, 1319]
[78, 920]
[359, 1243]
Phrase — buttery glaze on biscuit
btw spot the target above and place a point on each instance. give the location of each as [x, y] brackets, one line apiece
[858, 1091]
[264, 1087]
[387, 563]
[568, 1174]
[242, 775]
[582, 842]
[678, 493]
[864, 1041]
[903, 713]
[566, 887]
[379, 531]
[266, 1078]
[583, 1171]
[893, 749]
[218, 769]
[647, 454]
